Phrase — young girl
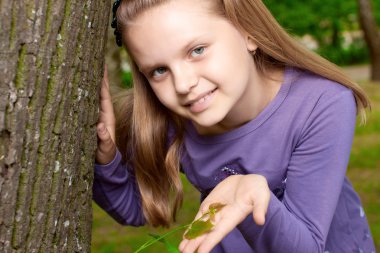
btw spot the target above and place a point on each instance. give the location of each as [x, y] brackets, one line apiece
[223, 94]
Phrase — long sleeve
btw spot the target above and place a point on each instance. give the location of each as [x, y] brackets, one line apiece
[115, 191]
[300, 222]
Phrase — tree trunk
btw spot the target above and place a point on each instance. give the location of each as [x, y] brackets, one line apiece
[51, 64]
[371, 35]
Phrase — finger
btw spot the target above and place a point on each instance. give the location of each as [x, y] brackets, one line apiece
[183, 244]
[260, 208]
[105, 87]
[224, 225]
[204, 208]
[106, 114]
[106, 143]
[106, 149]
[109, 121]
[105, 95]
[190, 246]
[103, 133]
[105, 76]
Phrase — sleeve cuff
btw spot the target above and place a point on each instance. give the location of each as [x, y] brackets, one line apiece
[107, 169]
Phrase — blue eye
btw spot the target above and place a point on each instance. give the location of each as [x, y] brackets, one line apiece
[198, 51]
[159, 71]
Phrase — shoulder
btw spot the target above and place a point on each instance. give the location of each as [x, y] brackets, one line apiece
[315, 102]
[311, 90]
[307, 83]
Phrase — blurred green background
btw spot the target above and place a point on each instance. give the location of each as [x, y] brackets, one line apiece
[331, 29]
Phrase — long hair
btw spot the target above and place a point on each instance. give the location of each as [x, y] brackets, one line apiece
[143, 122]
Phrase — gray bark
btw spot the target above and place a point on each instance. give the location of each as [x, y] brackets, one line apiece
[51, 64]
[371, 35]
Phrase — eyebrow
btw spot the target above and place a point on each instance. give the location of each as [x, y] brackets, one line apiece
[148, 68]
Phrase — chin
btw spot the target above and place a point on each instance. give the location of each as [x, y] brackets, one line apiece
[208, 121]
[208, 124]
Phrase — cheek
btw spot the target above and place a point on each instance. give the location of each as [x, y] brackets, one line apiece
[165, 95]
[229, 72]
[217, 69]
[231, 64]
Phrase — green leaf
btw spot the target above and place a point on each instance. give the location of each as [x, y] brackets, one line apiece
[203, 224]
[198, 227]
[195, 229]
[159, 238]
[170, 247]
[214, 208]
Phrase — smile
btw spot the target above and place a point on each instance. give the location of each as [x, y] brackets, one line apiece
[201, 103]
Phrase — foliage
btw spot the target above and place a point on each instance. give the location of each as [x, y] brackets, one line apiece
[318, 18]
[355, 53]
[376, 10]
[326, 22]
[126, 79]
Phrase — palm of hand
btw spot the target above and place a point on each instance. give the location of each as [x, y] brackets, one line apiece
[242, 195]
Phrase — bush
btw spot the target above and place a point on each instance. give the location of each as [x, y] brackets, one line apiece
[126, 79]
[356, 53]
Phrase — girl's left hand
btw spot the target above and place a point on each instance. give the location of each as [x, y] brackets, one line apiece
[242, 195]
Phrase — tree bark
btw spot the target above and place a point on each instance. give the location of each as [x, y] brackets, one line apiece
[371, 35]
[51, 65]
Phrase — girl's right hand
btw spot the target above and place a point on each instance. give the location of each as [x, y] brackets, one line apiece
[106, 150]
[242, 195]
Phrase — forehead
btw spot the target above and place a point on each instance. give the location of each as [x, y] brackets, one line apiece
[168, 25]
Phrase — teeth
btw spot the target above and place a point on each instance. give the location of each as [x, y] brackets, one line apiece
[201, 100]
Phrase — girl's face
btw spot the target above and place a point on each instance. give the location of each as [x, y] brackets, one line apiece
[197, 63]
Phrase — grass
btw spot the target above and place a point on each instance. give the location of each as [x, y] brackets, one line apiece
[363, 171]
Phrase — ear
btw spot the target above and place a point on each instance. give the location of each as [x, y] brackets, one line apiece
[251, 45]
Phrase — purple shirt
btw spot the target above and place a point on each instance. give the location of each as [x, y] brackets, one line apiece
[301, 143]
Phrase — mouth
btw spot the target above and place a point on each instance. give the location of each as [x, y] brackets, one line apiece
[202, 102]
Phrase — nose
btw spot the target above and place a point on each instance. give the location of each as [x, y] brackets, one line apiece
[185, 78]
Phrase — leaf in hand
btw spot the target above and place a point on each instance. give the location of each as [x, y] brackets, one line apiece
[214, 208]
[201, 226]
[198, 227]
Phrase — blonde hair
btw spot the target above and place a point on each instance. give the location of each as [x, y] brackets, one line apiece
[143, 122]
